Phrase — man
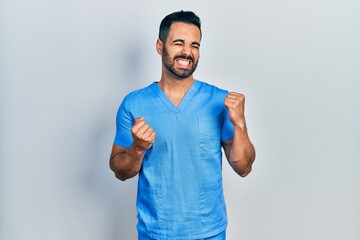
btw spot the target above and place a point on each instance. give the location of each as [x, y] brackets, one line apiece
[171, 133]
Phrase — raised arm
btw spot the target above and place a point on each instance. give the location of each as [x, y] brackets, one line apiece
[126, 162]
[239, 151]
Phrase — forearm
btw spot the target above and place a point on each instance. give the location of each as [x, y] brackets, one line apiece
[127, 164]
[242, 153]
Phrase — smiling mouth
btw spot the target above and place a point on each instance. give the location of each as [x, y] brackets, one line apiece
[184, 62]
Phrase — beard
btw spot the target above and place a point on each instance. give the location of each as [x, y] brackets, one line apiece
[180, 73]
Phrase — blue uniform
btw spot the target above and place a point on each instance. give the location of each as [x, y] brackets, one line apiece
[180, 193]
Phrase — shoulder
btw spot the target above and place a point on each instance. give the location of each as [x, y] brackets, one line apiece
[135, 99]
[209, 89]
[142, 91]
[139, 95]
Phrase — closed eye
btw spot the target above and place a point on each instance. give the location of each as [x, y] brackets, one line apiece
[180, 42]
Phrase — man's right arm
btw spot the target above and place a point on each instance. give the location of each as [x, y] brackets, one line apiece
[126, 162]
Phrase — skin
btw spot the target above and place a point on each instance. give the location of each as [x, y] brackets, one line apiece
[180, 54]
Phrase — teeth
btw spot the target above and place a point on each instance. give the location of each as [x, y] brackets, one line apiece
[184, 62]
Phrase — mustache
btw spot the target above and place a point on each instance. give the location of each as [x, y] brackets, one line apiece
[184, 57]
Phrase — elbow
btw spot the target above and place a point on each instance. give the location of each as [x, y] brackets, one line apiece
[244, 172]
[122, 174]
[248, 167]
[118, 173]
[244, 169]
[121, 177]
[243, 164]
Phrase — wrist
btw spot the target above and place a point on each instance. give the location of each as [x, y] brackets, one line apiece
[240, 125]
[137, 150]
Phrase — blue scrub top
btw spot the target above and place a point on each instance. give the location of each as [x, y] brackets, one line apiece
[180, 194]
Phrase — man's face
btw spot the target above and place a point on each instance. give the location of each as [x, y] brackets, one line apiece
[181, 51]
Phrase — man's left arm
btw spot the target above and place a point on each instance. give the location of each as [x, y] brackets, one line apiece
[239, 151]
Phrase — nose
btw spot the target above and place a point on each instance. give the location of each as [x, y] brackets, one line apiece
[186, 49]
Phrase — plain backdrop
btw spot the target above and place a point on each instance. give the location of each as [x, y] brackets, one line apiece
[66, 66]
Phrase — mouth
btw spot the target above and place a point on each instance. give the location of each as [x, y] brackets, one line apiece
[183, 62]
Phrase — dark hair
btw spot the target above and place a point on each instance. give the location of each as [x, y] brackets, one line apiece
[181, 16]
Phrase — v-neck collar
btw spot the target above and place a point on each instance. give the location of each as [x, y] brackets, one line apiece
[184, 101]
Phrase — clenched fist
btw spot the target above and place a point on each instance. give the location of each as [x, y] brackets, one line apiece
[142, 134]
[235, 102]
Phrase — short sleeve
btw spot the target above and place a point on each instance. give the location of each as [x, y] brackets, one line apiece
[227, 128]
[124, 123]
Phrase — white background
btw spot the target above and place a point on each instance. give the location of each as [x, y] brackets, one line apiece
[66, 66]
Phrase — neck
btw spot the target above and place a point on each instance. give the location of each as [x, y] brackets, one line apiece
[183, 84]
[175, 89]
[170, 82]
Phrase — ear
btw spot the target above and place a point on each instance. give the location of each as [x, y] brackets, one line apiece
[159, 46]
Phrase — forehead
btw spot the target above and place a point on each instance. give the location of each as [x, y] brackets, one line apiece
[185, 31]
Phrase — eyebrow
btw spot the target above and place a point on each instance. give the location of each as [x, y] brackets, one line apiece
[183, 41]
